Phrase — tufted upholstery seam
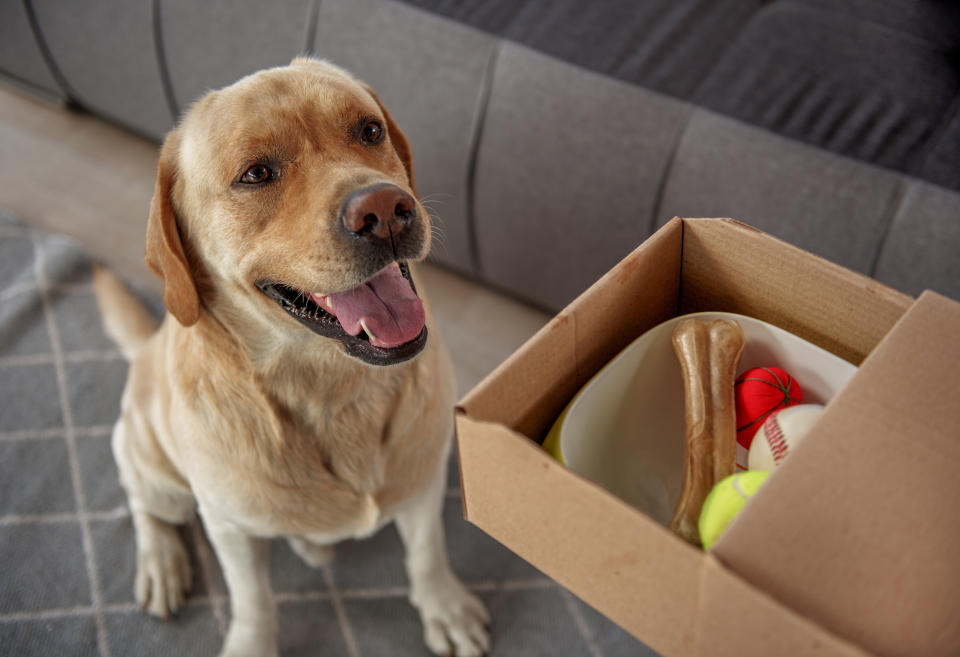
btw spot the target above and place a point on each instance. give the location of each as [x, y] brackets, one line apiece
[886, 222]
[47, 54]
[161, 56]
[480, 117]
[652, 224]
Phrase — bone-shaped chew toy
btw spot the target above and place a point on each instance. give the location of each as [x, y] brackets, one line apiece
[708, 351]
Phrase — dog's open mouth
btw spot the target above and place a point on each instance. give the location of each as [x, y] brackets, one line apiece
[381, 321]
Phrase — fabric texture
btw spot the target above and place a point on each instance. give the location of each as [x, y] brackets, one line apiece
[874, 80]
[832, 207]
[557, 146]
[66, 539]
[920, 251]
[113, 71]
[248, 36]
[19, 52]
[662, 45]
[844, 83]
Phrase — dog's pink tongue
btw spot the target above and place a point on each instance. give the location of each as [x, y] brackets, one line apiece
[385, 306]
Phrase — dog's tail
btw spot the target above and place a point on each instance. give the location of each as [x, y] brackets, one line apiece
[126, 319]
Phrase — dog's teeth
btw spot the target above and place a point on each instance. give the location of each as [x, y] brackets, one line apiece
[366, 329]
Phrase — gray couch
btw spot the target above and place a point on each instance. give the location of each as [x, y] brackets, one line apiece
[552, 137]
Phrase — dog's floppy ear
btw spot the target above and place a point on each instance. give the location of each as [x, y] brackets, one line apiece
[165, 254]
[399, 141]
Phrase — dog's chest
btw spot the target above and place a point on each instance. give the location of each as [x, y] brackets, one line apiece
[350, 441]
[320, 467]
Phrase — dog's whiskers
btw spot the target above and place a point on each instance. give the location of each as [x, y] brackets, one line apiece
[301, 308]
[430, 198]
[438, 237]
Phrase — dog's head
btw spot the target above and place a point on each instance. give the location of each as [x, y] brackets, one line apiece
[288, 200]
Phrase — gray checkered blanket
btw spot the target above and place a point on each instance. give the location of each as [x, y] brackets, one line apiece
[66, 539]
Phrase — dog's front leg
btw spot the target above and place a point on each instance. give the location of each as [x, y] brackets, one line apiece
[244, 560]
[453, 618]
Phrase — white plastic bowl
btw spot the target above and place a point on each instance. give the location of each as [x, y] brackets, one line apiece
[625, 429]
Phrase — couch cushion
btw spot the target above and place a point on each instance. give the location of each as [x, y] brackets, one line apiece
[933, 21]
[20, 56]
[841, 79]
[941, 164]
[430, 73]
[664, 45]
[830, 205]
[922, 249]
[111, 71]
[209, 45]
[568, 171]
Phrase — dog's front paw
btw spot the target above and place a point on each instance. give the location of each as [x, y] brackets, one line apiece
[454, 620]
[249, 640]
[163, 573]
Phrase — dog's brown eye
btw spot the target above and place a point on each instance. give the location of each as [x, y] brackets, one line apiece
[257, 173]
[371, 132]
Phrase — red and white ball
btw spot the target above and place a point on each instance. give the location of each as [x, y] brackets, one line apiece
[780, 434]
[758, 393]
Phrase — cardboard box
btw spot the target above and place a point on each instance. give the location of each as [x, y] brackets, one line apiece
[853, 546]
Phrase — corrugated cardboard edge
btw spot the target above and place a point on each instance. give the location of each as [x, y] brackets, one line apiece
[781, 284]
[736, 619]
[879, 478]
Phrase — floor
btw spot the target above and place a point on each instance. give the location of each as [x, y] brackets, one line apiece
[72, 174]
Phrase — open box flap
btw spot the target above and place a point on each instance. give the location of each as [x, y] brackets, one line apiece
[859, 529]
[735, 619]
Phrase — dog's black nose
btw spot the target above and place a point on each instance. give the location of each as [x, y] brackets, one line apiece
[381, 211]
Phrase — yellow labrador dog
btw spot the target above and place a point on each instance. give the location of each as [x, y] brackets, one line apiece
[296, 388]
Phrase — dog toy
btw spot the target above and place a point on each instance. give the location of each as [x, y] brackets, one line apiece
[708, 352]
[758, 393]
[725, 501]
[780, 434]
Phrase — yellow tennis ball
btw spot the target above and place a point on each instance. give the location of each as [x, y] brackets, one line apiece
[725, 501]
